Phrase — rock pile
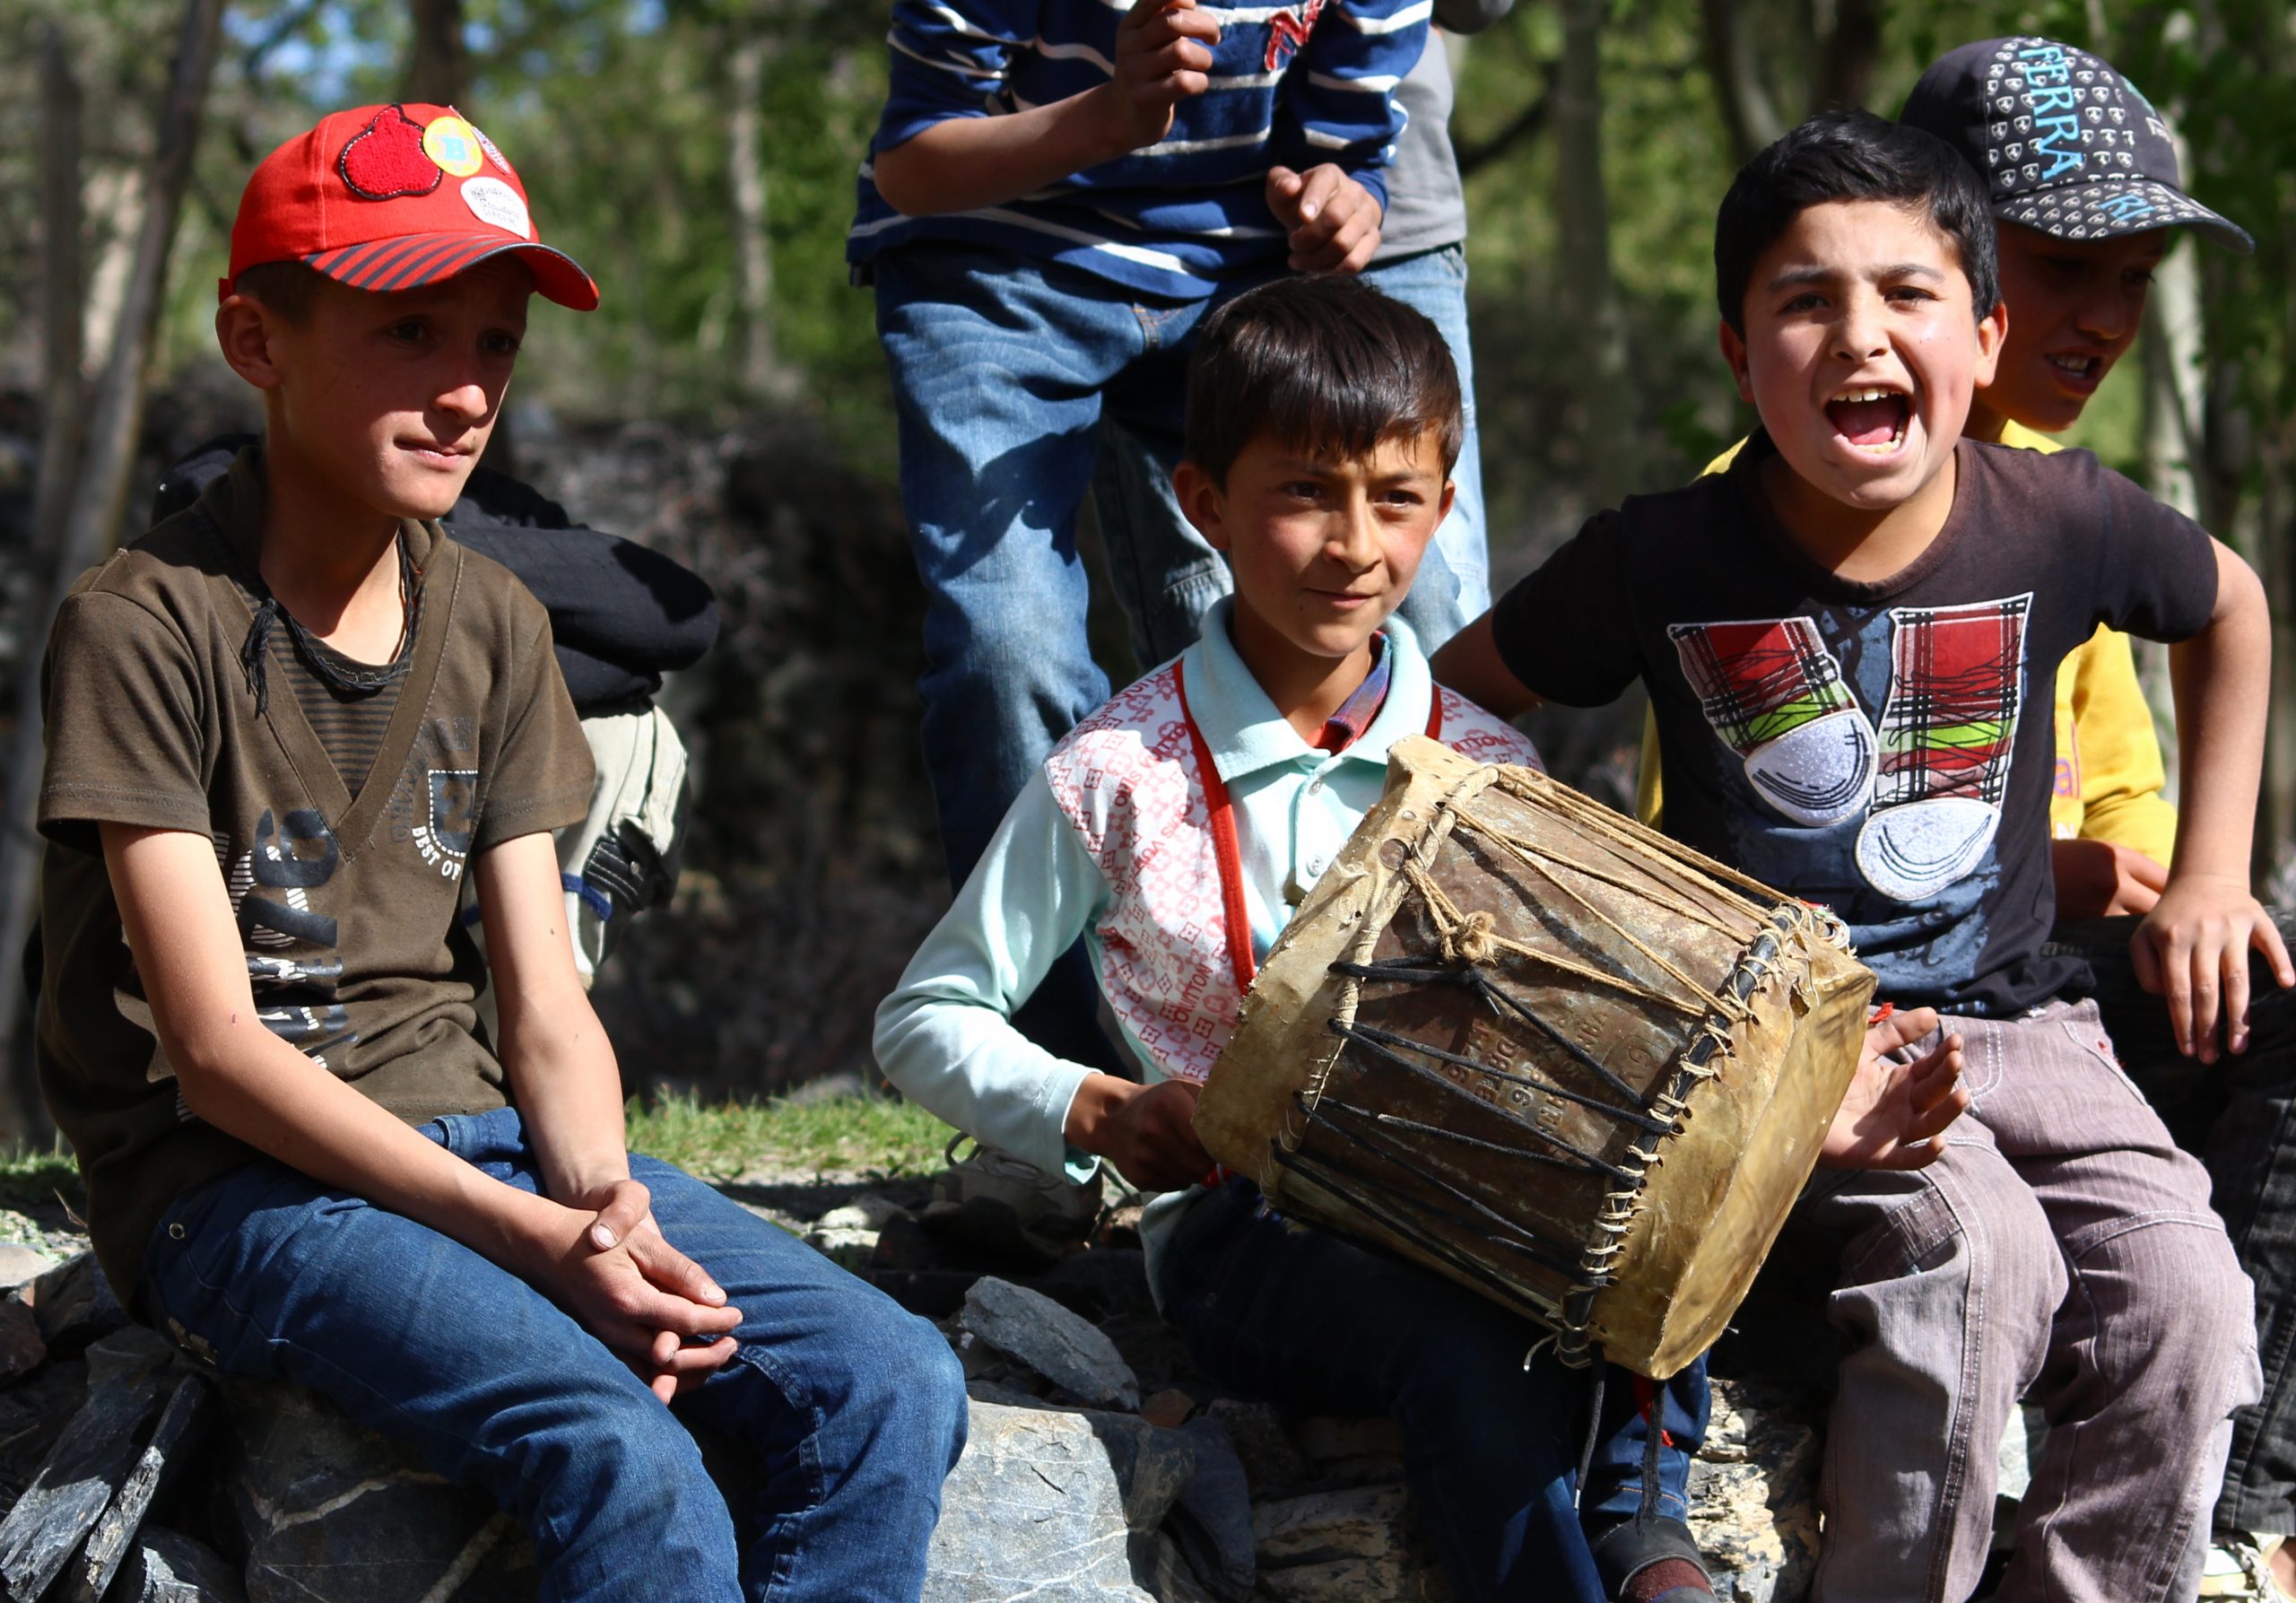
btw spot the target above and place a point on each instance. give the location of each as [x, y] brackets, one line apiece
[1101, 1468]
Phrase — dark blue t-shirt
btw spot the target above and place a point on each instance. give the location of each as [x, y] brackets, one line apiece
[1883, 748]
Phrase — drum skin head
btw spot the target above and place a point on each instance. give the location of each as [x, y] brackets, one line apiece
[1652, 1264]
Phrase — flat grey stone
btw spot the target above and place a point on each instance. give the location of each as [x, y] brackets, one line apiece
[1213, 1520]
[131, 1353]
[334, 1510]
[1035, 1509]
[1065, 1349]
[1361, 1523]
[72, 1487]
[22, 1347]
[1270, 1456]
[74, 1304]
[1753, 1493]
[19, 1263]
[180, 1432]
[164, 1567]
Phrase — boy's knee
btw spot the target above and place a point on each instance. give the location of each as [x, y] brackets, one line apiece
[1973, 1236]
[904, 1382]
[2172, 1289]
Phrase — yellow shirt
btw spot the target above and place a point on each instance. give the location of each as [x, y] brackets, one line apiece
[2108, 770]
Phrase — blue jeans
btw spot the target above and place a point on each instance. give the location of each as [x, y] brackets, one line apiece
[1158, 563]
[1003, 368]
[1307, 1320]
[855, 1409]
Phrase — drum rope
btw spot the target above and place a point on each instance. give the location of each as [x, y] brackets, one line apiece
[1695, 1000]
[1595, 1164]
[1472, 938]
[1372, 1035]
[1319, 1169]
[1527, 785]
[1407, 969]
[1552, 1256]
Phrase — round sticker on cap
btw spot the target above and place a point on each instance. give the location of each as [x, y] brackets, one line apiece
[491, 200]
[453, 144]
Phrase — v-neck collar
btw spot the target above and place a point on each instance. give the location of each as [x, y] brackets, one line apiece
[233, 506]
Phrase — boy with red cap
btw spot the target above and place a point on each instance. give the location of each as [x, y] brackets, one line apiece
[281, 725]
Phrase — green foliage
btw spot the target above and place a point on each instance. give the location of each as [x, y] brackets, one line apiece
[850, 1135]
[31, 1180]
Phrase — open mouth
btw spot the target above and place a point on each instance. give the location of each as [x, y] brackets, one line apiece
[2082, 370]
[1871, 418]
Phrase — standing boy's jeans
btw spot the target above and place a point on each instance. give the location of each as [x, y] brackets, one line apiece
[1147, 537]
[1296, 1315]
[857, 1408]
[2063, 1246]
[1003, 367]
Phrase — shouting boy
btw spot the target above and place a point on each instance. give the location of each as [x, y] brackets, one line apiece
[1850, 639]
[282, 726]
[1322, 423]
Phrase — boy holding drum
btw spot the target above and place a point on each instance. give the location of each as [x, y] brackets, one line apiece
[1323, 421]
[1849, 640]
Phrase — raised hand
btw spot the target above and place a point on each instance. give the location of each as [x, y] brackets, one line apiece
[1334, 222]
[1895, 1115]
[2193, 948]
[1164, 56]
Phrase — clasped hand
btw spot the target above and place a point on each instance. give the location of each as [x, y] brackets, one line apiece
[654, 1307]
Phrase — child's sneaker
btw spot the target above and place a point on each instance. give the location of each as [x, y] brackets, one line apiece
[2238, 1566]
[1000, 1204]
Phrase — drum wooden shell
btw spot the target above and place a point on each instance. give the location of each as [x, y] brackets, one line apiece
[1519, 1039]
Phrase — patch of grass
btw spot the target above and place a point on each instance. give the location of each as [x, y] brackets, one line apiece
[853, 1134]
[31, 1180]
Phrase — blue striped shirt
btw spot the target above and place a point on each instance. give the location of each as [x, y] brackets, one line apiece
[1179, 216]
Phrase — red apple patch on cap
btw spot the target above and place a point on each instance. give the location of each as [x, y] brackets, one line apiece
[385, 160]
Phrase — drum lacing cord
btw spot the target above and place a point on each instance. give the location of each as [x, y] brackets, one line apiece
[1655, 1438]
[1694, 1001]
[1474, 938]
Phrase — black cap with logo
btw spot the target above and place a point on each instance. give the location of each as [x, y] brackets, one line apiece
[2067, 145]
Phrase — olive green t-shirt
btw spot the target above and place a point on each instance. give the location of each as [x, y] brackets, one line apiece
[345, 905]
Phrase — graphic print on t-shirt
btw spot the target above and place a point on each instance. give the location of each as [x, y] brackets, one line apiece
[1930, 783]
[1955, 676]
[1775, 695]
[293, 962]
[434, 805]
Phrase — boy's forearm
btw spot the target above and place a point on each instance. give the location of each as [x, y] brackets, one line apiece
[2219, 676]
[561, 1067]
[250, 1083]
[568, 1086]
[1470, 663]
[967, 162]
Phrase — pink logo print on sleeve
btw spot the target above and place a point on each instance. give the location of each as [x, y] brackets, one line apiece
[1288, 29]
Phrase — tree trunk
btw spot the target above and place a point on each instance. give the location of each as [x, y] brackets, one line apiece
[100, 494]
[64, 343]
[1852, 44]
[1749, 112]
[760, 372]
[1589, 296]
[437, 65]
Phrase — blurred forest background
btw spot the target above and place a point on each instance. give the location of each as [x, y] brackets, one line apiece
[728, 404]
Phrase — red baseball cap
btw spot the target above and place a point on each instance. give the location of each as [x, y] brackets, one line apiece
[387, 198]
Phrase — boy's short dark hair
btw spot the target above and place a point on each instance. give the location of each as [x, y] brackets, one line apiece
[1324, 364]
[1851, 155]
[287, 288]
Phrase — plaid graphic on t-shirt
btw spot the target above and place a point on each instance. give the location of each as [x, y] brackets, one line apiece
[1956, 674]
[1758, 681]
